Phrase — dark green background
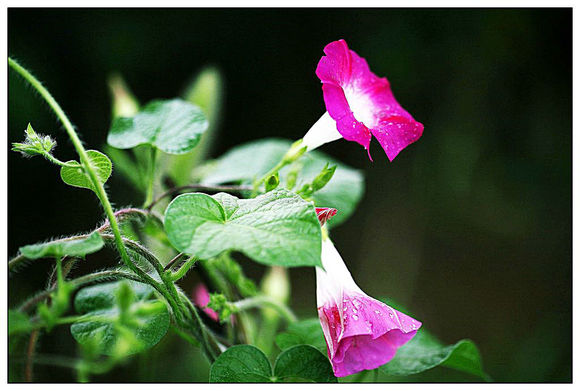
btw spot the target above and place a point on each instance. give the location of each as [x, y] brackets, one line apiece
[470, 227]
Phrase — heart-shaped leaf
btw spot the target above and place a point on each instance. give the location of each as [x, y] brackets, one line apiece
[76, 176]
[149, 317]
[248, 364]
[173, 126]
[303, 362]
[252, 160]
[241, 364]
[60, 248]
[276, 228]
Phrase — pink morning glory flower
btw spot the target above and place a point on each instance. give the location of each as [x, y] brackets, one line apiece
[201, 299]
[359, 105]
[360, 332]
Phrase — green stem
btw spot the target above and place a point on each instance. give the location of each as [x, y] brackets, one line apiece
[59, 276]
[54, 160]
[84, 318]
[208, 343]
[151, 176]
[183, 269]
[185, 336]
[168, 289]
[259, 301]
[89, 169]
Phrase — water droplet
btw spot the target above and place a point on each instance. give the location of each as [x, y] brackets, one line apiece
[354, 310]
[391, 314]
[355, 317]
[377, 312]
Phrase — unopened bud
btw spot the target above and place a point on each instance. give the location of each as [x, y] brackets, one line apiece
[276, 284]
[323, 178]
[272, 182]
[124, 103]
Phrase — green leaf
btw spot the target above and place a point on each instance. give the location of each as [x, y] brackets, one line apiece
[241, 364]
[18, 322]
[206, 92]
[148, 316]
[252, 160]
[76, 176]
[304, 332]
[304, 362]
[248, 364]
[60, 248]
[277, 228]
[173, 126]
[424, 352]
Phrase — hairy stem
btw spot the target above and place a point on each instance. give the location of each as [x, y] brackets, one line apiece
[87, 166]
[173, 261]
[54, 160]
[183, 269]
[29, 369]
[168, 289]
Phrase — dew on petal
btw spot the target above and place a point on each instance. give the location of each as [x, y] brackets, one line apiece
[355, 317]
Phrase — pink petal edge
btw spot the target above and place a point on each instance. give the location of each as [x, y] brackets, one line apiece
[363, 333]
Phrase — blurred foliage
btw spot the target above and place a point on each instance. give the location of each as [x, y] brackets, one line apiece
[471, 226]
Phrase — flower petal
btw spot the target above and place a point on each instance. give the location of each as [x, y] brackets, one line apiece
[363, 315]
[360, 331]
[346, 123]
[396, 133]
[365, 352]
[362, 104]
[363, 333]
